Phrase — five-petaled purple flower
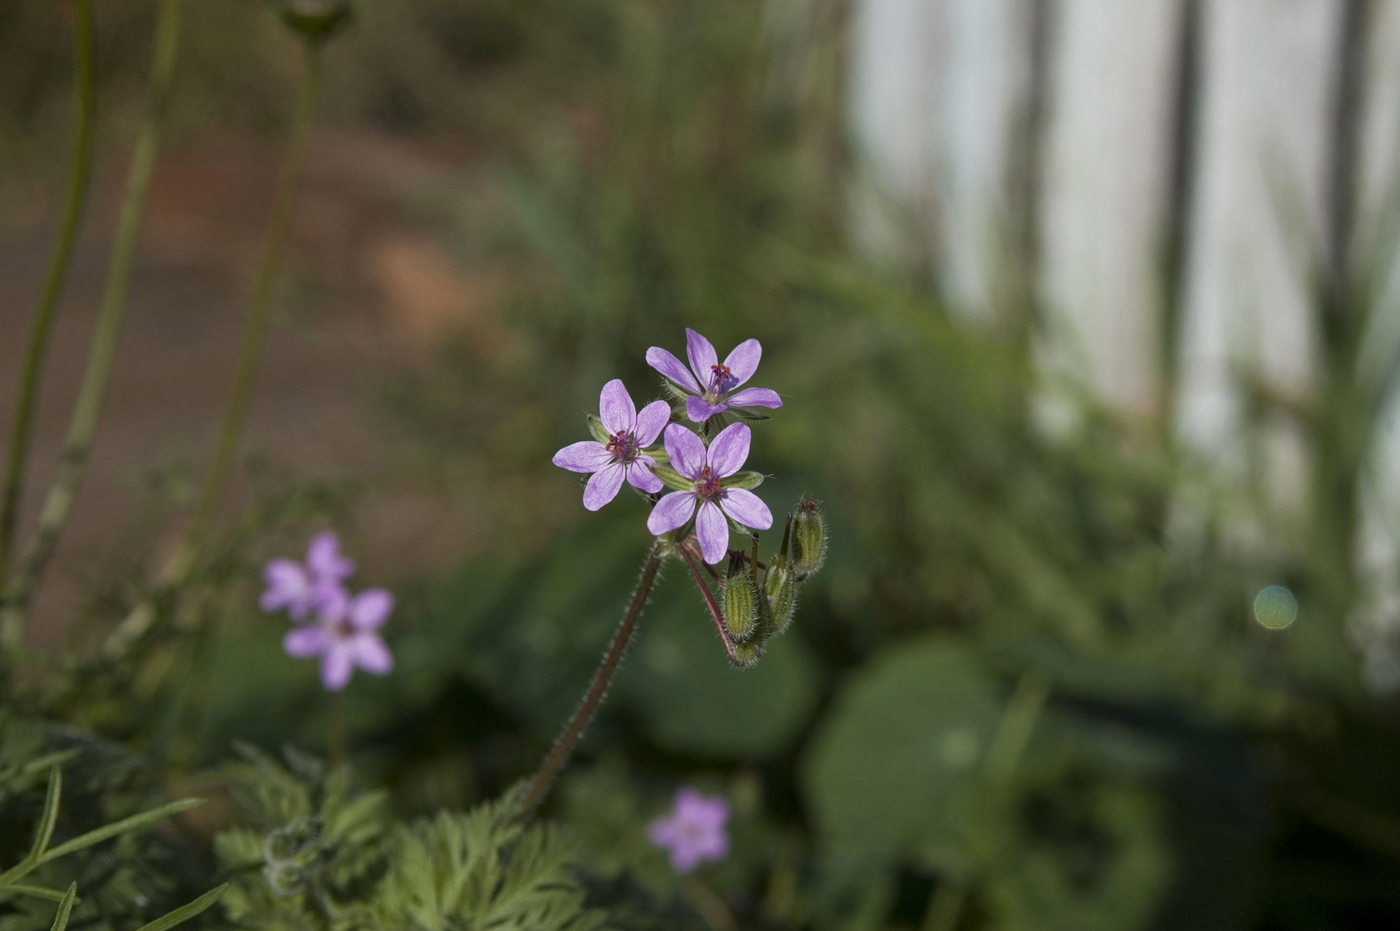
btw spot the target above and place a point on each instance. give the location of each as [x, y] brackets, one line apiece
[713, 386]
[345, 635]
[301, 589]
[694, 831]
[709, 499]
[621, 456]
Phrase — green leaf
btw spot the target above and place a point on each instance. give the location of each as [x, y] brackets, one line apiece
[186, 912]
[600, 432]
[673, 478]
[743, 480]
[898, 759]
[65, 908]
[49, 819]
[38, 892]
[134, 823]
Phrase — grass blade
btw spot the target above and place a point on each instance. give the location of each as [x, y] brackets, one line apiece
[49, 819]
[65, 908]
[38, 892]
[134, 823]
[186, 912]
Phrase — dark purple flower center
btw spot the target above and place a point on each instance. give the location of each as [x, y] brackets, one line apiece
[720, 378]
[707, 483]
[342, 630]
[623, 446]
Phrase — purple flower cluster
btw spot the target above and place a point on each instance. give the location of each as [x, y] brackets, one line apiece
[694, 831]
[709, 490]
[331, 623]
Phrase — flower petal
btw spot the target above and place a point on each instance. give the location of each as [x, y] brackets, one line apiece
[687, 451]
[323, 557]
[651, 421]
[371, 655]
[303, 642]
[755, 397]
[336, 666]
[668, 365]
[583, 456]
[729, 449]
[639, 476]
[712, 531]
[603, 486]
[662, 832]
[671, 511]
[702, 356]
[699, 410]
[616, 409]
[743, 361]
[747, 508]
[370, 609]
[287, 587]
[684, 857]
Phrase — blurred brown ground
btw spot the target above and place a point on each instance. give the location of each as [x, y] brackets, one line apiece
[367, 284]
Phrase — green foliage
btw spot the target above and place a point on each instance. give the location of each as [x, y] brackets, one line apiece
[318, 853]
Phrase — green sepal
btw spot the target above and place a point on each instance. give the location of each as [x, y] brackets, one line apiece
[744, 413]
[673, 478]
[742, 480]
[658, 453]
[600, 432]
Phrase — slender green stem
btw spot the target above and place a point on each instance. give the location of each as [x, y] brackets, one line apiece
[711, 605]
[597, 689]
[206, 507]
[79, 173]
[87, 411]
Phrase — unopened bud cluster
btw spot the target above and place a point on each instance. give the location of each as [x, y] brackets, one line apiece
[759, 608]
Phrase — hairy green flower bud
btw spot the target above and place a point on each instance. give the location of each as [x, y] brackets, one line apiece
[780, 588]
[316, 20]
[741, 603]
[746, 654]
[808, 539]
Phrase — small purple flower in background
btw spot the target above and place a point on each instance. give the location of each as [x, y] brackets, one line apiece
[300, 589]
[621, 456]
[713, 385]
[694, 831]
[345, 635]
[709, 501]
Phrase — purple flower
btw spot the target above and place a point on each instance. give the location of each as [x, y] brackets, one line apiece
[712, 385]
[301, 589]
[620, 455]
[345, 635]
[710, 499]
[694, 831]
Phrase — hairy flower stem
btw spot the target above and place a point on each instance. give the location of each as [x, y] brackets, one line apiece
[182, 560]
[63, 490]
[79, 174]
[597, 689]
[715, 614]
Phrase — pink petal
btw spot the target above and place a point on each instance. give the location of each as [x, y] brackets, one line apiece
[755, 397]
[712, 531]
[336, 666]
[711, 846]
[287, 587]
[662, 832]
[303, 642]
[583, 456]
[615, 408]
[699, 410]
[729, 449]
[668, 365]
[371, 655]
[323, 557]
[687, 451]
[684, 858]
[671, 511]
[639, 476]
[370, 609]
[743, 361]
[603, 486]
[747, 508]
[702, 356]
[651, 421]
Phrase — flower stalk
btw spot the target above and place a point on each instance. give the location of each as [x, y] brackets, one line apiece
[559, 754]
[79, 175]
[87, 411]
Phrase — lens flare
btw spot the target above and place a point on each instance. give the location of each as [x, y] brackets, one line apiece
[1275, 607]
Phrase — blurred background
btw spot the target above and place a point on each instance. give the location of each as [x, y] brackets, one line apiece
[1085, 319]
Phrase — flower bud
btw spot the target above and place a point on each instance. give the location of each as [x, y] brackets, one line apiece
[808, 539]
[746, 654]
[780, 588]
[741, 609]
[316, 20]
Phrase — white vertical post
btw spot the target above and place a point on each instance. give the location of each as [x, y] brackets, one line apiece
[1258, 217]
[1106, 180]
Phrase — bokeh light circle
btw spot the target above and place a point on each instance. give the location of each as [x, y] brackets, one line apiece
[1275, 607]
